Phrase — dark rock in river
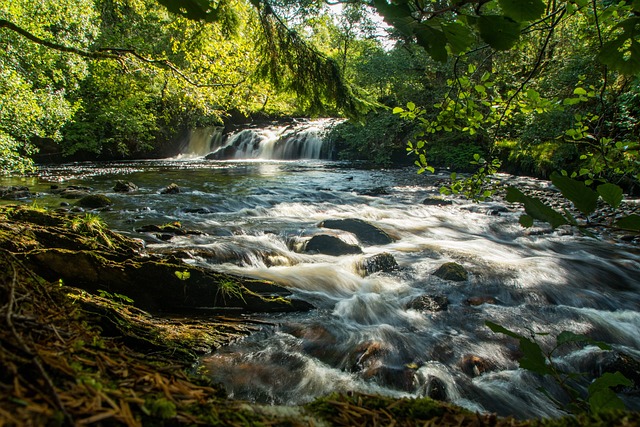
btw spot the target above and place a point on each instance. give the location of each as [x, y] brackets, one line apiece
[620, 362]
[172, 229]
[366, 233]
[429, 303]
[384, 262]
[94, 201]
[435, 389]
[452, 271]
[436, 201]
[124, 186]
[374, 192]
[330, 245]
[15, 193]
[171, 189]
[73, 193]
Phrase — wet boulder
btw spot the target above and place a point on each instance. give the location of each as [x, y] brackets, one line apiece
[171, 189]
[436, 201]
[620, 362]
[330, 245]
[366, 233]
[432, 303]
[124, 187]
[475, 365]
[94, 201]
[15, 193]
[73, 193]
[435, 389]
[452, 271]
[384, 262]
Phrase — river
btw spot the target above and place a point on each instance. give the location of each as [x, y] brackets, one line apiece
[365, 333]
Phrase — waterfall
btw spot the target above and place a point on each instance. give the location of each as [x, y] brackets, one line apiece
[303, 139]
[202, 141]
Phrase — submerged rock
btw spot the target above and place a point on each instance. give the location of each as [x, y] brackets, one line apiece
[479, 300]
[366, 233]
[384, 262]
[330, 245]
[452, 271]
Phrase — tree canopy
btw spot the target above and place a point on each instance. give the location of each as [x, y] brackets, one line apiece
[556, 79]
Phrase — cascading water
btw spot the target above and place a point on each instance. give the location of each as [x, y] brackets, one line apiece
[404, 332]
[303, 139]
[202, 141]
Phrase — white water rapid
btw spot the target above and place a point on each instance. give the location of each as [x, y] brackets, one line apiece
[404, 332]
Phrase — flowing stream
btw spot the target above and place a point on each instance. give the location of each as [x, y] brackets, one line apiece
[364, 334]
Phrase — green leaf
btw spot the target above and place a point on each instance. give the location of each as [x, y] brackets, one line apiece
[579, 91]
[458, 35]
[523, 10]
[526, 221]
[623, 53]
[411, 106]
[601, 397]
[500, 32]
[535, 208]
[583, 198]
[533, 358]
[631, 222]
[499, 329]
[611, 193]
[182, 275]
[568, 337]
[398, 110]
[433, 41]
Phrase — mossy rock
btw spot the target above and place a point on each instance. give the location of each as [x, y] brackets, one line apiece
[94, 201]
[452, 271]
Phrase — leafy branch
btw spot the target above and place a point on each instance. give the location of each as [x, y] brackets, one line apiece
[600, 396]
[111, 53]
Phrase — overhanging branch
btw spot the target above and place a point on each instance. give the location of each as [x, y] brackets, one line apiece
[110, 53]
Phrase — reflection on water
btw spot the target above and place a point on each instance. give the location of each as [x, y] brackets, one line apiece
[367, 333]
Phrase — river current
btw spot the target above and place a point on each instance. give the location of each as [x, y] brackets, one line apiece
[364, 334]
